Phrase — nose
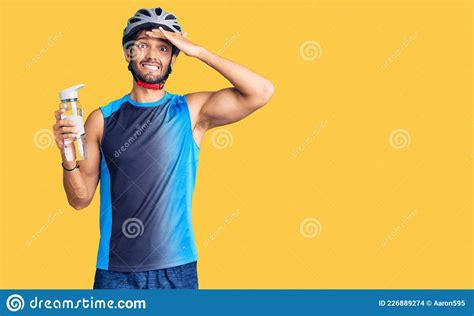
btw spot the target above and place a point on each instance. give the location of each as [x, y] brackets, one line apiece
[151, 55]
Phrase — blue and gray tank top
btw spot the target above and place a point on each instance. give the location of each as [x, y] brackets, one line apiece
[147, 174]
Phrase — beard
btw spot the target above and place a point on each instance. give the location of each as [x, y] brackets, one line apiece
[147, 76]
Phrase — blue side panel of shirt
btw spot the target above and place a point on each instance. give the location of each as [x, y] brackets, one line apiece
[105, 196]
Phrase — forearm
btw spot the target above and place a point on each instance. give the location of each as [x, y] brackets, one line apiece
[247, 82]
[74, 185]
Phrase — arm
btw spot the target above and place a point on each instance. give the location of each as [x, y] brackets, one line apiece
[250, 91]
[80, 184]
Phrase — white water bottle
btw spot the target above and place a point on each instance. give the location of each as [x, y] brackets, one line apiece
[74, 112]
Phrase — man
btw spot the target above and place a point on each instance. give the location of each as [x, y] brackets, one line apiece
[144, 148]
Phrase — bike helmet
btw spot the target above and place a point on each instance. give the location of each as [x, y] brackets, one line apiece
[145, 19]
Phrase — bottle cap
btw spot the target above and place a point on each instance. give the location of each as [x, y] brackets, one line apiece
[70, 93]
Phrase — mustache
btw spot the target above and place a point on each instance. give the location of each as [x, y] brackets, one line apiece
[142, 75]
[150, 62]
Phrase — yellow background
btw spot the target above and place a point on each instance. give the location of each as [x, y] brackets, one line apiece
[320, 151]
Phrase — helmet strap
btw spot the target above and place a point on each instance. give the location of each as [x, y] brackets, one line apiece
[153, 86]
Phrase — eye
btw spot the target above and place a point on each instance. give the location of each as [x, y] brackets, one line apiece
[141, 45]
[164, 48]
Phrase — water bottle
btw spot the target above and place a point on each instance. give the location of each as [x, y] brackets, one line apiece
[74, 112]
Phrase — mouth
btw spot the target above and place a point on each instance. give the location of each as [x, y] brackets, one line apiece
[150, 66]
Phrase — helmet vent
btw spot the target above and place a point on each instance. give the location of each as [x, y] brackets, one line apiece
[150, 18]
[143, 11]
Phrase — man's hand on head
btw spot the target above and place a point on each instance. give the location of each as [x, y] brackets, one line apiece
[178, 40]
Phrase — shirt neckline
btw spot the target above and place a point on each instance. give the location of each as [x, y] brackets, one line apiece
[148, 104]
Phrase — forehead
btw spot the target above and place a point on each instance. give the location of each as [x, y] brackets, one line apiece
[141, 35]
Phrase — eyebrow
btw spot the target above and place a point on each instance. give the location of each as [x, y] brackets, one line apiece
[147, 38]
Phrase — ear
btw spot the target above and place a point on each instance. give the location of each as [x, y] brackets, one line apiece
[173, 59]
[126, 54]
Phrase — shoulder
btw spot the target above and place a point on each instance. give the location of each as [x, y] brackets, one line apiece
[194, 102]
[95, 116]
[94, 124]
[112, 106]
[197, 99]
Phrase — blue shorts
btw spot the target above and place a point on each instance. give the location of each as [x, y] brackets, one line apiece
[179, 277]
